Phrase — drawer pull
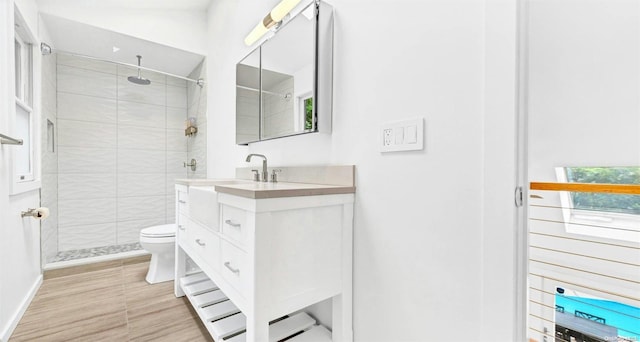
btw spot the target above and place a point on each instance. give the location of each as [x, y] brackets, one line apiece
[234, 270]
[232, 224]
[181, 227]
[199, 242]
[182, 201]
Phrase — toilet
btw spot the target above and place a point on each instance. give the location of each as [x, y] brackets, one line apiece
[160, 242]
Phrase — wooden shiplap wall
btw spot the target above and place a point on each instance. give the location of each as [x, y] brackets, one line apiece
[595, 265]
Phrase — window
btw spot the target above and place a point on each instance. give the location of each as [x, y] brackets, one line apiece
[25, 119]
[610, 216]
[629, 204]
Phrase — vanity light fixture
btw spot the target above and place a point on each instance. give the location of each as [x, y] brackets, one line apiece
[275, 16]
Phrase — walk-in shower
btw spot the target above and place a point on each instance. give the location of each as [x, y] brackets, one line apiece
[111, 153]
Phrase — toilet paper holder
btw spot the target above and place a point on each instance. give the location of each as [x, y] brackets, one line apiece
[38, 213]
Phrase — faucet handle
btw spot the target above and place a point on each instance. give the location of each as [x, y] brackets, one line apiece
[274, 175]
[256, 175]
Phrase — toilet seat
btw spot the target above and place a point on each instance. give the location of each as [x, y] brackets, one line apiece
[162, 231]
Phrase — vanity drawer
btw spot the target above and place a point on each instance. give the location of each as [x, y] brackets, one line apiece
[235, 268]
[182, 202]
[205, 243]
[234, 223]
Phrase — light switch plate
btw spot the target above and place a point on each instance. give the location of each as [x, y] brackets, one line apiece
[403, 135]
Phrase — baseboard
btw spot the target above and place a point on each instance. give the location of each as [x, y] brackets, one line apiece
[13, 322]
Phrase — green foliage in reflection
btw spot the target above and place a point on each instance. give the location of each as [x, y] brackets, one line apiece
[308, 113]
[629, 204]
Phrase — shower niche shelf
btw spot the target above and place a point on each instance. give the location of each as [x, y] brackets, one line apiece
[225, 322]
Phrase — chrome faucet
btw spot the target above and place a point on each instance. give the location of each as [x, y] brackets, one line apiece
[265, 174]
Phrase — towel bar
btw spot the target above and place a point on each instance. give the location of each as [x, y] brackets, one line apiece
[9, 140]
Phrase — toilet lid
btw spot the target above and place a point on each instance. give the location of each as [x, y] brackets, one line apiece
[165, 230]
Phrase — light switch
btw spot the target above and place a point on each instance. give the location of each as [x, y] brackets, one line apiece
[411, 136]
[399, 133]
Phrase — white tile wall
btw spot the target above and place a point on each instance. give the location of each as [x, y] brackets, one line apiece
[86, 82]
[86, 108]
[176, 140]
[86, 134]
[146, 138]
[175, 162]
[117, 141]
[85, 63]
[176, 82]
[176, 97]
[129, 231]
[86, 186]
[141, 184]
[77, 212]
[176, 118]
[141, 207]
[141, 161]
[86, 160]
[141, 114]
[86, 236]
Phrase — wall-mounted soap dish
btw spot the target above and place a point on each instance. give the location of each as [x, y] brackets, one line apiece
[189, 131]
[190, 127]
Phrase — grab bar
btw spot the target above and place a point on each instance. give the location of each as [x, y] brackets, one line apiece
[6, 140]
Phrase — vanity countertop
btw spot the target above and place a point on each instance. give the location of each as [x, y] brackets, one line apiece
[294, 181]
[251, 189]
[258, 190]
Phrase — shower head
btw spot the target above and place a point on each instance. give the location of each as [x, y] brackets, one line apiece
[139, 79]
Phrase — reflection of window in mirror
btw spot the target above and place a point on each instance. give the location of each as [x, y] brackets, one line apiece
[308, 113]
[304, 114]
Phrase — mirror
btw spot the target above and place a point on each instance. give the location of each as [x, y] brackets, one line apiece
[276, 84]
[248, 98]
[288, 61]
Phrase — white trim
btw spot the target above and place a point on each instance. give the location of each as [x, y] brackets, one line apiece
[92, 260]
[15, 319]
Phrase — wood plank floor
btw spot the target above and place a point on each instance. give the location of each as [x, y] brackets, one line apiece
[109, 301]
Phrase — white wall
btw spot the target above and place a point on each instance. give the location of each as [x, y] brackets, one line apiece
[20, 273]
[182, 29]
[433, 229]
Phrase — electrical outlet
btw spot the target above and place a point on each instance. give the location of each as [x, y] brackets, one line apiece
[388, 137]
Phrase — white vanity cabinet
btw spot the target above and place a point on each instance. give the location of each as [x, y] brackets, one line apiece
[272, 257]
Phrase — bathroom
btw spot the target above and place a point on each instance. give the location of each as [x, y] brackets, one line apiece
[434, 230]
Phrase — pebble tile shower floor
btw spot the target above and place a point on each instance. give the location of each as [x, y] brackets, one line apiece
[94, 252]
[108, 301]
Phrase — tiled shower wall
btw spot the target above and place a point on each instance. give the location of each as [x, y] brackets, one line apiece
[49, 193]
[120, 147]
[197, 144]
